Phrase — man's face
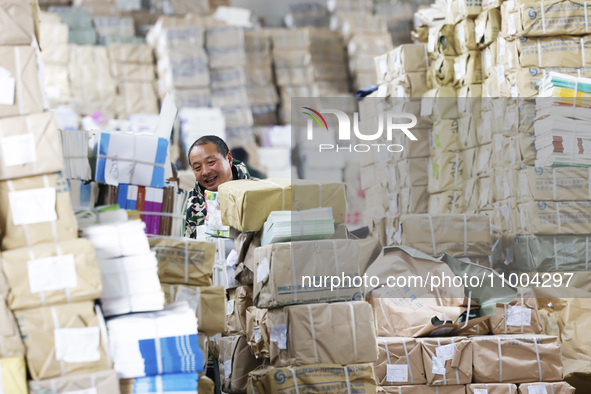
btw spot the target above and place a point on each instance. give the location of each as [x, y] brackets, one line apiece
[211, 169]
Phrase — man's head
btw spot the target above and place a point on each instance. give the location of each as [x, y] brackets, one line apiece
[211, 162]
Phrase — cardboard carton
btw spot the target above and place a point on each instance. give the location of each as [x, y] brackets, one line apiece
[448, 361]
[556, 388]
[520, 316]
[103, 382]
[400, 362]
[491, 388]
[24, 96]
[550, 218]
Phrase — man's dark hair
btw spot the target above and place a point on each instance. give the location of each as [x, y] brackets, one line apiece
[206, 139]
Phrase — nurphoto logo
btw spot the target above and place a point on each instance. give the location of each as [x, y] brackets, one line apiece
[393, 122]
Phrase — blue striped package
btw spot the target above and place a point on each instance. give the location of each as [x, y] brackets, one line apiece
[179, 383]
[155, 343]
[130, 158]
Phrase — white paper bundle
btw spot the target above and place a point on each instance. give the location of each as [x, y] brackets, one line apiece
[131, 284]
[197, 122]
[285, 226]
[156, 343]
[562, 141]
[75, 148]
[118, 239]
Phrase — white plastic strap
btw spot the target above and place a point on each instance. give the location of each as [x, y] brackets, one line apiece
[432, 235]
[293, 273]
[93, 380]
[555, 253]
[426, 56]
[159, 385]
[295, 380]
[336, 263]
[391, 332]
[19, 79]
[468, 310]
[520, 311]
[457, 369]
[538, 358]
[444, 374]
[354, 330]
[157, 344]
[313, 333]
[171, 287]
[586, 253]
[282, 191]
[441, 303]
[126, 286]
[186, 260]
[465, 235]
[539, 53]
[543, 12]
[412, 381]
[387, 350]
[558, 222]
[133, 161]
[552, 384]
[346, 369]
[583, 52]
[500, 360]
[2, 354]
[506, 316]
[576, 92]
[56, 326]
[453, 201]
[199, 308]
[103, 330]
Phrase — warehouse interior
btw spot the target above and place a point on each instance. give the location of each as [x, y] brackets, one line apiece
[302, 196]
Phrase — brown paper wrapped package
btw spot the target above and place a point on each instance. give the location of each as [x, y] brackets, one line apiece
[240, 299]
[246, 204]
[520, 316]
[184, 261]
[16, 20]
[407, 58]
[516, 358]
[457, 235]
[16, 264]
[245, 244]
[131, 72]
[205, 385]
[464, 36]
[448, 172]
[282, 267]
[401, 352]
[492, 388]
[423, 389]
[44, 145]
[20, 236]
[574, 319]
[539, 217]
[556, 388]
[455, 361]
[11, 344]
[257, 332]
[37, 327]
[210, 303]
[21, 62]
[325, 378]
[131, 53]
[342, 333]
[236, 362]
[103, 382]
[136, 97]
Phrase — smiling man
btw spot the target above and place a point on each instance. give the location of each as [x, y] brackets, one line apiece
[212, 163]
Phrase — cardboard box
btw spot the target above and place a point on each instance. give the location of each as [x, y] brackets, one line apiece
[236, 362]
[400, 362]
[556, 388]
[446, 231]
[554, 184]
[209, 304]
[464, 36]
[245, 204]
[103, 382]
[131, 53]
[37, 223]
[288, 273]
[341, 333]
[532, 19]
[150, 384]
[520, 316]
[516, 358]
[257, 332]
[325, 378]
[30, 145]
[10, 337]
[558, 51]
[21, 62]
[240, 299]
[492, 388]
[13, 375]
[184, 261]
[547, 253]
[448, 172]
[63, 339]
[447, 360]
[549, 217]
[45, 275]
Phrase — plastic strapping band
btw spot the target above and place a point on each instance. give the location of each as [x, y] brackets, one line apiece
[53, 387]
[457, 369]
[2, 354]
[126, 285]
[336, 262]
[445, 372]
[25, 226]
[199, 308]
[354, 330]
[171, 287]
[157, 345]
[159, 385]
[134, 161]
[465, 235]
[313, 333]
[426, 56]
[468, 310]
[500, 360]
[576, 92]
[293, 273]
[552, 384]
[441, 303]
[19, 79]
[28, 122]
[506, 316]
[432, 235]
[586, 253]
[103, 330]
[539, 53]
[521, 310]
[555, 253]
[186, 260]
[387, 350]
[386, 317]
[412, 381]
[583, 52]
[56, 326]
[558, 222]
[453, 201]
[538, 359]
[93, 380]
[346, 369]
[295, 380]
[282, 191]
[543, 12]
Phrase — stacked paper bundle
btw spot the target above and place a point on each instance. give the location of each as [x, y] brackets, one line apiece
[132, 65]
[79, 21]
[181, 7]
[307, 14]
[75, 149]
[258, 70]
[225, 47]
[366, 36]
[114, 29]
[128, 268]
[156, 344]
[282, 226]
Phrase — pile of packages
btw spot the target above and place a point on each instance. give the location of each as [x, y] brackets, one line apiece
[79, 21]
[50, 278]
